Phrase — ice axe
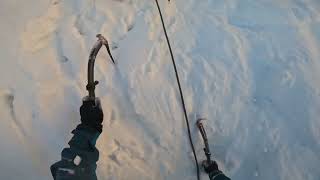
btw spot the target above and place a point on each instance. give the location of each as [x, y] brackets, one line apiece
[206, 148]
[92, 57]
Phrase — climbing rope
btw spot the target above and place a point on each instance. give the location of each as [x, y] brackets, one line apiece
[180, 90]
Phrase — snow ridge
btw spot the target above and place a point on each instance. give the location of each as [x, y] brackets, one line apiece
[250, 67]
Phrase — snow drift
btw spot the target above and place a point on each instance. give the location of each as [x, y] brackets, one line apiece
[251, 67]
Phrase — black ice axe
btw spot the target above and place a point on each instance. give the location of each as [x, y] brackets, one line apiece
[206, 148]
[92, 57]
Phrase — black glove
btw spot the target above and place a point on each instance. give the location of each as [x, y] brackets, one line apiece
[91, 114]
[210, 167]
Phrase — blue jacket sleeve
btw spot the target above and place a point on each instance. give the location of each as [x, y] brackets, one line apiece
[82, 145]
[218, 175]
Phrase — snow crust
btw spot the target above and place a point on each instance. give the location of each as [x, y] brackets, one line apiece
[250, 67]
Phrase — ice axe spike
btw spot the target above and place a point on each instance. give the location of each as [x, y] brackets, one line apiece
[206, 149]
[106, 44]
[92, 57]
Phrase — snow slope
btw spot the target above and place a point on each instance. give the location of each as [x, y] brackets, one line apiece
[251, 67]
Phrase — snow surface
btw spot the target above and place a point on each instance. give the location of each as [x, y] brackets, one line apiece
[251, 67]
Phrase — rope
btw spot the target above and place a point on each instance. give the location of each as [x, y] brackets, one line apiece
[180, 90]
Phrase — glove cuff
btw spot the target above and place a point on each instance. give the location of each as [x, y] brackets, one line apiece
[214, 173]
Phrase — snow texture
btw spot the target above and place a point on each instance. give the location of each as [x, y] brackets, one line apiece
[251, 67]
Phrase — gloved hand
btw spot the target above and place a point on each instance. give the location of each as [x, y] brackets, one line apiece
[210, 167]
[91, 114]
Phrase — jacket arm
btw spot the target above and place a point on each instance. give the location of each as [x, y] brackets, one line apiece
[82, 145]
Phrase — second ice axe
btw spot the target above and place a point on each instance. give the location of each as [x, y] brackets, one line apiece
[206, 148]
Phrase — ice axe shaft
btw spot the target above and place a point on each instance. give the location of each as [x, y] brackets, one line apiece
[206, 149]
[92, 57]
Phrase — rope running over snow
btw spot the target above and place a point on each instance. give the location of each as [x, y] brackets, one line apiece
[180, 90]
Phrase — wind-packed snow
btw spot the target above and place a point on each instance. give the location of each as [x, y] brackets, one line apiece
[251, 67]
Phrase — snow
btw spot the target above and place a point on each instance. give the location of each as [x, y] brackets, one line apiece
[250, 67]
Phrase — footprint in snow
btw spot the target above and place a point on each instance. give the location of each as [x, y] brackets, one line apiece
[8, 98]
[130, 27]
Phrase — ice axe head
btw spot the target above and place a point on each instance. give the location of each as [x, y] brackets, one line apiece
[199, 122]
[106, 44]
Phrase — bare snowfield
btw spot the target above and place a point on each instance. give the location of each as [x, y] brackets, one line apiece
[252, 67]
